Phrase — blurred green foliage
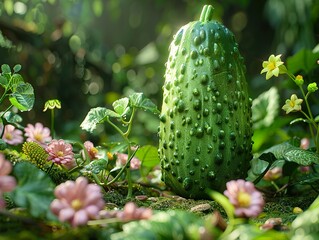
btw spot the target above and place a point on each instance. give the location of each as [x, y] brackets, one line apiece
[88, 53]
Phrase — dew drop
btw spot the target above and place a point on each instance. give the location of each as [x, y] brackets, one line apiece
[183, 69]
[219, 107]
[199, 132]
[197, 104]
[178, 133]
[219, 159]
[221, 134]
[180, 106]
[205, 112]
[163, 118]
[194, 54]
[197, 40]
[184, 51]
[196, 161]
[187, 184]
[206, 51]
[211, 175]
[195, 92]
[172, 125]
[204, 79]
[232, 136]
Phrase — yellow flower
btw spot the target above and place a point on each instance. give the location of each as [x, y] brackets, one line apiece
[293, 104]
[273, 66]
[52, 104]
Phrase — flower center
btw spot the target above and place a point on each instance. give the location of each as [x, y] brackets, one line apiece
[60, 154]
[8, 136]
[244, 199]
[292, 104]
[76, 204]
[38, 137]
[271, 66]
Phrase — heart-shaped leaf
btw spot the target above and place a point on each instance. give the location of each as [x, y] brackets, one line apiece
[121, 105]
[23, 97]
[139, 100]
[96, 116]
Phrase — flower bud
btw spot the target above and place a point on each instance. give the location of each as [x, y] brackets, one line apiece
[312, 87]
[299, 80]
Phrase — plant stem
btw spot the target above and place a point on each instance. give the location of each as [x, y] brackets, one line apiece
[122, 169]
[129, 128]
[52, 124]
[312, 122]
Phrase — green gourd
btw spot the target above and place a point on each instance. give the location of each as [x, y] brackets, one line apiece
[205, 123]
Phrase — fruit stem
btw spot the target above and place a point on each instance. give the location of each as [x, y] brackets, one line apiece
[206, 14]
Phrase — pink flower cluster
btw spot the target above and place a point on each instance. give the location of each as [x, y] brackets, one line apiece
[248, 202]
[60, 152]
[36, 133]
[7, 183]
[130, 212]
[122, 160]
[77, 201]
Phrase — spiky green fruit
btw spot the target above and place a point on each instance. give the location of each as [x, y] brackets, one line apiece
[205, 129]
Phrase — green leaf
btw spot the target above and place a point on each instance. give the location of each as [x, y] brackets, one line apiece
[5, 69]
[301, 156]
[96, 116]
[3, 144]
[120, 106]
[23, 97]
[148, 155]
[17, 68]
[95, 166]
[299, 120]
[290, 152]
[260, 166]
[139, 100]
[3, 81]
[34, 190]
[223, 201]
[15, 81]
[265, 108]
[304, 60]
[11, 117]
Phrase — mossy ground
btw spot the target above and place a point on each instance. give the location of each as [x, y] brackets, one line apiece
[23, 227]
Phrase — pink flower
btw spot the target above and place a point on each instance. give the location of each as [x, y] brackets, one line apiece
[304, 143]
[92, 151]
[122, 160]
[12, 135]
[7, 183]
[273, 174]
[77, 202]
[38, 133]
[132, 212]
[248, 202]
[60, 152]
